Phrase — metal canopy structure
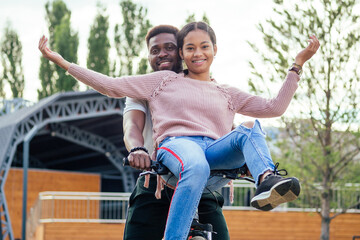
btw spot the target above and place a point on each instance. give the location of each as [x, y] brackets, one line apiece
[74, 131]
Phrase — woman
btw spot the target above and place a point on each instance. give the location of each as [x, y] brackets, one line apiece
[192, 120]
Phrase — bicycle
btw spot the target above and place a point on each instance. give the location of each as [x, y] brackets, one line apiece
[198, 231]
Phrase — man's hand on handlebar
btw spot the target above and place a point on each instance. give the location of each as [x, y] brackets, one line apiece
[139, 160]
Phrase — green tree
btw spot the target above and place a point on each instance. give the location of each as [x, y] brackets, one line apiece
[322, 124]
[2, 92]
[63, 40]
[46, 75]
[66, 44]
[55, 11]
[192, 18]
[11, 59]
[98, 43]
[129, 39]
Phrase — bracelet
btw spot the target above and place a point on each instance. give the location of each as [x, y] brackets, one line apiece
[139, 148]
[297, 65]
[296, 68]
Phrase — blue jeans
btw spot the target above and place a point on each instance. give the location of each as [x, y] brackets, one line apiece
[190, 158]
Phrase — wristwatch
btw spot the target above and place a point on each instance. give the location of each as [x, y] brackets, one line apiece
[296, 68]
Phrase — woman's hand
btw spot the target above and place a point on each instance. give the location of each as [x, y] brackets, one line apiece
[308, 52]
[52, 56]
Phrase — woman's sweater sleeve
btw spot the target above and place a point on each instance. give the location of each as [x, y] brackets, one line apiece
[140, 86]
[255, 106]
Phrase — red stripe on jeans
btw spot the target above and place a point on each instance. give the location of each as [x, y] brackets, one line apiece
[182, 169]
[177, 157]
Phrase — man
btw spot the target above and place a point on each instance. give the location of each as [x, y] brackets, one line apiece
[146, 214]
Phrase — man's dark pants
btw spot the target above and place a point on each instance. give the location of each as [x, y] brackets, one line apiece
[146, 217]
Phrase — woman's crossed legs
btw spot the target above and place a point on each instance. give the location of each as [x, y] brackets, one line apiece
[190, 158]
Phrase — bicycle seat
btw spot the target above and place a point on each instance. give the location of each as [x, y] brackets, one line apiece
[215, 181]
[218, 178]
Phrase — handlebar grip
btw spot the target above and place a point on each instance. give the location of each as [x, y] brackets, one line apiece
[126, 161]
[156, 166]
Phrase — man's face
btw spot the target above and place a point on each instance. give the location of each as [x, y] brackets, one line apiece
[163, 53]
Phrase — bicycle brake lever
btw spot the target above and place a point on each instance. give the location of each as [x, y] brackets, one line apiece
[159, 168]
[147, 172]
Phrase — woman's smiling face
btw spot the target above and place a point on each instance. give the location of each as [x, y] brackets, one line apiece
[198, 52]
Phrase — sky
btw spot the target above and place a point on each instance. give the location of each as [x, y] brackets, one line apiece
[234, 22]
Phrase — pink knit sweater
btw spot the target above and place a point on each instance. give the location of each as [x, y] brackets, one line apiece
[182, 106]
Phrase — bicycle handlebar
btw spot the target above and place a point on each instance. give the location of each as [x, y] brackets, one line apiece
[159, 168]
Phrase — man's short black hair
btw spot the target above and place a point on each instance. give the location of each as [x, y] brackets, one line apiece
[160, 29]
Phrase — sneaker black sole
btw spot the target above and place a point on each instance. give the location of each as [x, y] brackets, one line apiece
[284, 191]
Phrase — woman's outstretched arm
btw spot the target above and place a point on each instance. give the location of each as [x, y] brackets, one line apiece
[52, 56]
[140, 86]
[256, 106]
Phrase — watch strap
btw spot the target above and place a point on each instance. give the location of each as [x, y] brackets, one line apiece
[296, 68]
